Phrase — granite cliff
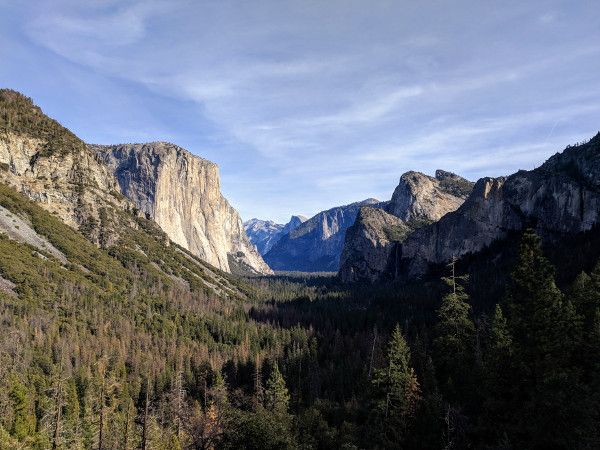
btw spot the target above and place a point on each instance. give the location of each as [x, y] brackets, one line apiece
[558, 199]
[369, 243]
[181, 193]
[53, 167]
[264, 234]
[422, 196]
[418, 200]
[63, 202]
[316, 245]
[50, 165]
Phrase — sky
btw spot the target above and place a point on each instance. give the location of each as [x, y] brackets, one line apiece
[307, 105]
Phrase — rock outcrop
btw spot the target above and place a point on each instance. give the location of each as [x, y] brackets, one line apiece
[560, 198]
[417, 201]
[419, 195]
[181, 193]
[316, 245]
[265, 233]
[46, 162]
[369, 245]
[294, 222]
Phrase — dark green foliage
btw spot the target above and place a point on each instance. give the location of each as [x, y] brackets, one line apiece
[533, 386]
[459, 187]
[276, 394]
[400, 232]
[398, 396]
[22, 425]
[314, 432]
[396, 233]
[454, 346]
[257, 431]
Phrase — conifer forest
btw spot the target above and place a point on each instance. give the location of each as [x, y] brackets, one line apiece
[117, 356]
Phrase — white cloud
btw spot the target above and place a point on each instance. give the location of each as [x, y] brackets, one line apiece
[322, 93]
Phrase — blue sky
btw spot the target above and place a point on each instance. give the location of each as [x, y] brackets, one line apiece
[307, 105]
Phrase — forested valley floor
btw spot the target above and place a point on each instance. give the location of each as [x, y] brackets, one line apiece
[105, 353]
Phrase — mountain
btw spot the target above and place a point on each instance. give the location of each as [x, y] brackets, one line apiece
[50, 165]
[295, 222]
[422, 196]
[63, 222]
[181, 193]
[265, 233]
[418, 200]
[368, 244]
[316, 245]
[559, 199]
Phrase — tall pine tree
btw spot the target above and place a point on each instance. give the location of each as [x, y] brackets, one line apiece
[455, 342]
[398, 395]
[277, 398]
[545, 330]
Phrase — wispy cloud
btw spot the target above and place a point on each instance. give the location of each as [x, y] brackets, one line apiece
[316, 103]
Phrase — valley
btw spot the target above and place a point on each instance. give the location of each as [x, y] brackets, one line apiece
[139, 311]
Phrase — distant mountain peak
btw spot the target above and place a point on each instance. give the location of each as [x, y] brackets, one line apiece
[316, 244]
[265, 233]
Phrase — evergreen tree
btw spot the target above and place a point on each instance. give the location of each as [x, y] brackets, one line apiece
[499, 378]
[586, 298]
[455, 342]
[277, 398]
[257, 430]
[398, 392]
[22, 425]
[544, 330]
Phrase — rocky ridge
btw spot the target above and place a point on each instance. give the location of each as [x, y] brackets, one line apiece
[419, 195]
[418, 200]
[369, 243]
[316, 245]
[265, 233]
[181, 193]
[50, 165]
[558, 199]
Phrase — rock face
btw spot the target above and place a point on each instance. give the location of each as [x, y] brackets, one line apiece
[265, 233]
[181, 193]
[560, 198]
[419, 195]
[316, 245]
[369, 244]
[295, 222]
[417, 201]
[50, 165]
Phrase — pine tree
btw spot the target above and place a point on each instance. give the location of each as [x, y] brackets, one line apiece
[398, 392]
[455, 342]
[258, 385]
[544, 329]
[499, 378]
[277, 398]
[586, 299]
[22, 424]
